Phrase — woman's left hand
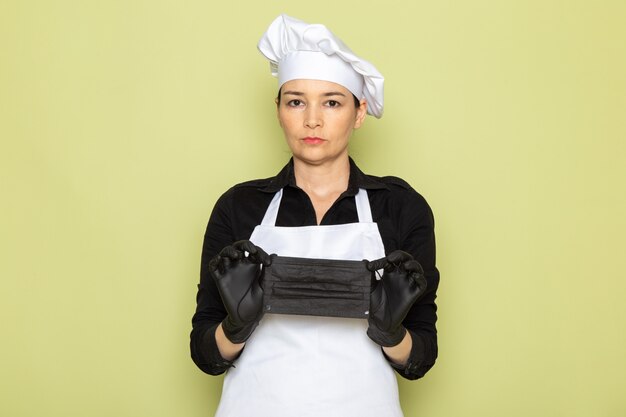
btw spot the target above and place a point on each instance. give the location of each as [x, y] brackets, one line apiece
[393, 295]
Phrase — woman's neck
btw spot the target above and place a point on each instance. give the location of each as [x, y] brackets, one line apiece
[322, 183]
[323, 180]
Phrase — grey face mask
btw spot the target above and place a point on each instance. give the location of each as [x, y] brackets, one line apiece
[317, 287]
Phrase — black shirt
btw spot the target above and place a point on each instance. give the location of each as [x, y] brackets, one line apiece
[404, 220]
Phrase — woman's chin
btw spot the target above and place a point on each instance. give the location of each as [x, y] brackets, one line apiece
[318, 157]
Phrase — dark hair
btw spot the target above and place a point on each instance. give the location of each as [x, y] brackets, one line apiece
[357, 102]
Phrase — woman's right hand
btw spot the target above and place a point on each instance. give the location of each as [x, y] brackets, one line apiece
[238, 272]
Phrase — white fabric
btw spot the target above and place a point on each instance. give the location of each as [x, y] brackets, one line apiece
[309, 366]
[309, 65]
[298, 50]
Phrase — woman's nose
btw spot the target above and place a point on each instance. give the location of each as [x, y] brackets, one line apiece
[312, 119]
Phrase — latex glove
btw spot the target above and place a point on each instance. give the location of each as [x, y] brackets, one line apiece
[238, 277]
[393, 295]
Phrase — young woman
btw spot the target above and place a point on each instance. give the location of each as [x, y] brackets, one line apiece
[320, 206]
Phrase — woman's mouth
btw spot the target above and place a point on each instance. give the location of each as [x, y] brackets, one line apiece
[310, 140]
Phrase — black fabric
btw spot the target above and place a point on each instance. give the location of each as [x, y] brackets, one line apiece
[317, 287]
[405, 222]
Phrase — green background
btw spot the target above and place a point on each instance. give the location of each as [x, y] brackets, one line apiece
[121, 122]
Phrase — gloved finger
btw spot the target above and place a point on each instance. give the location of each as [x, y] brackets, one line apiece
[412, 266]
[214, 263]
[374, 275]
[224, 264]
[422, 283]
[398, 257]
[417, 281]
[246, 246]
[232, 253]
[259, 257]
[376, 264]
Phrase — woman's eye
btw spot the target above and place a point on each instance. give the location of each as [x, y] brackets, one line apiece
[294, 103]
[333, 103]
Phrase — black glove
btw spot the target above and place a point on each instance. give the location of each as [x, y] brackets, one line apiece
[238, 278]
[393, 295]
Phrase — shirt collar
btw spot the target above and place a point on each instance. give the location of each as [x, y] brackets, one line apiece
[357, 180]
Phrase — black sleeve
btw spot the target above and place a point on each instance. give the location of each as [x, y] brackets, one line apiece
[417, 237]
[210, 309]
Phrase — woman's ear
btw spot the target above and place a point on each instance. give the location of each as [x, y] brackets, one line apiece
[280, 123]
[361, 112]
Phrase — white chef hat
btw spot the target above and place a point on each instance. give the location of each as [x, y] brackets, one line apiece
[298, 50]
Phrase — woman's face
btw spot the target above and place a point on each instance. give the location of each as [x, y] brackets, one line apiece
[318, 118]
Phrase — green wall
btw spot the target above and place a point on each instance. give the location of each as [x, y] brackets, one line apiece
[121, 122]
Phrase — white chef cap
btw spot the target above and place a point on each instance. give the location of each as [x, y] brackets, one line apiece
[298, 50]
